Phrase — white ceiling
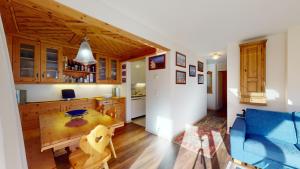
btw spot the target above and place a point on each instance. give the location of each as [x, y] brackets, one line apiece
[209, 25]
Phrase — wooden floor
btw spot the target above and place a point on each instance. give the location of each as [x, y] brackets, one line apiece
[138, 149]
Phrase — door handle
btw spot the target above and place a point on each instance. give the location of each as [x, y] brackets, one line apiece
[37, 75]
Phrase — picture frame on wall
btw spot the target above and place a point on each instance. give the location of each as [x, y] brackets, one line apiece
[180, 77]
[124, 74]
[200, 79]
[192, 70]
[157, 62]
[180, 60]
[200, 66]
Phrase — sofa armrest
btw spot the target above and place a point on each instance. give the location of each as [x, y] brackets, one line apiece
[237, 138]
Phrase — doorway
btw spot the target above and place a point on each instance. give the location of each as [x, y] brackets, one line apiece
[138, 92]
[222, 92]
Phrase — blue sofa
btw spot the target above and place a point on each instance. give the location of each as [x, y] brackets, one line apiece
[267, 139]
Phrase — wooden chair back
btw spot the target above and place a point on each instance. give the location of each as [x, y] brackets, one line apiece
[112, 112]
[96, 141]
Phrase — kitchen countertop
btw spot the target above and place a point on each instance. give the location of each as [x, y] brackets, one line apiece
[135, 96]
[61, 100]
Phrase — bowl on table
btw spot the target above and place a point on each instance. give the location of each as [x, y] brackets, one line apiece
[76, 113]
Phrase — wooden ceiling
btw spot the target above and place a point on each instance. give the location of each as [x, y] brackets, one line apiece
[50, 21]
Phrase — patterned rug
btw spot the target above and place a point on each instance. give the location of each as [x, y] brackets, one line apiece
[205, 137]
[232, 165]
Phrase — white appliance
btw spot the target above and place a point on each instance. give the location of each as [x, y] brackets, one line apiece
[138, 106]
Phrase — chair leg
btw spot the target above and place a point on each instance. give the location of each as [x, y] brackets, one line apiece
[105, 165]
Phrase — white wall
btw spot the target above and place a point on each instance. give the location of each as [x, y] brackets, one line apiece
[12, 151]
[126, 91]
[212, 97]
[158, 100]
[48, 92]
[171, 107]
[188, 102]
[275, 77]
[293, 69]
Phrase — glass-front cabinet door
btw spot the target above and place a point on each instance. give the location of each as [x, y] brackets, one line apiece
[102, 70]
[51, 63]
[114, 71]
[26, 60]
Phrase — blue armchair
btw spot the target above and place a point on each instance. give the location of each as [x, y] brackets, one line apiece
[267, 139]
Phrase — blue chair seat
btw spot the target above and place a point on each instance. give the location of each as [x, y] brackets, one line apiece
[273, 149]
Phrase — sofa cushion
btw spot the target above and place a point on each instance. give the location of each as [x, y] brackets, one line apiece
[273, 149]
[270, 124]
[297, 125]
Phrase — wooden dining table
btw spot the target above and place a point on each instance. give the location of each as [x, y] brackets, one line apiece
[59, 131]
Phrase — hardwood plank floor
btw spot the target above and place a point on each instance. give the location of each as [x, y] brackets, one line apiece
[138, 149]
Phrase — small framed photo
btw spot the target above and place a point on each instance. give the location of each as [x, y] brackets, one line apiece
[123, 79]
[180, 77]
[157, 62]
[200, 66]
[180, 60]
[192, 70]
[200, 79]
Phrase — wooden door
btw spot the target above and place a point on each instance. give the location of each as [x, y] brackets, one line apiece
[114, 71]
[253, 64]
[102, 69]
[51, 63]
[26, 61]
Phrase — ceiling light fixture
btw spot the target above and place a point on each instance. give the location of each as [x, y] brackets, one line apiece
[215, 55]
[85, 54]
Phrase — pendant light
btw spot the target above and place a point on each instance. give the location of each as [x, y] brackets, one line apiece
[85, 54]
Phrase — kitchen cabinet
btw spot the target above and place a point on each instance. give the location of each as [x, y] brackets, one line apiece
[108, 70]
[51, 63]
[35, 62]
[26, 60]
[138, 107]
[102, 69]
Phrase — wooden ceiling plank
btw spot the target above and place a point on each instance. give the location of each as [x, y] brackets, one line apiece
[14, 18]
[68, 12]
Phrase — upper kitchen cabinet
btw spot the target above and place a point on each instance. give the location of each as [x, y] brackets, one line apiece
[26, 61]
[102, 69]
[114, 71]
[51, 63]
[108, 70]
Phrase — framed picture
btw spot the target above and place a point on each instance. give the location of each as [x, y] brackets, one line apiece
[192, 70]
[200, 66]
[200, 79]
[180, 77]
[124, 73]
[180, 60]
[157, 62]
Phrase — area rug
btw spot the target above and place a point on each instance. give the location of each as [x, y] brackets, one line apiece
[205, 137]
[232, 165]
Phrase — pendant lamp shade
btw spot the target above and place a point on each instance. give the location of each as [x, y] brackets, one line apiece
[85, 54]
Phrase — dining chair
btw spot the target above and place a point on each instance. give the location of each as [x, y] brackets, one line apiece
[92, 152]
[112, 112]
